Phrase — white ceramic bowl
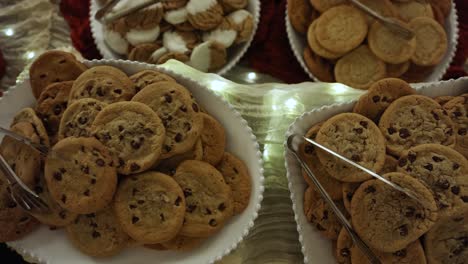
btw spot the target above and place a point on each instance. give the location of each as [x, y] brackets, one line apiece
[234, 53]
[52, 247]
[298, 42]
[317, 249]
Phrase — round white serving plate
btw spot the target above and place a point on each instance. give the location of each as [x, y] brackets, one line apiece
[298, 42]
[235, 52]
[53, 247]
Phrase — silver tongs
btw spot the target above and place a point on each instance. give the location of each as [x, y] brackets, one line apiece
[106, 16]
[391, 23]
[356, 239]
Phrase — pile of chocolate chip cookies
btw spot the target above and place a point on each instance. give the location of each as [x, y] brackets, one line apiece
[348, 46]
[414, 141]
[197, 32]
[134, 160]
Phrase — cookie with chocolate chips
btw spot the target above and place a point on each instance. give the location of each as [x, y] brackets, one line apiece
[357, 138]
[447, 241]
[150, 207]
[51, 105]
[144, 78]
[104, 83]
[213, 139]
[81, 175]
[98, 234]
[387, 219]
[29, 116]
[457, 109]
[443, 170]
[208, 199]
[320, 214]
[179, 114]
[414, 120]
[78, 117]
[133, 132]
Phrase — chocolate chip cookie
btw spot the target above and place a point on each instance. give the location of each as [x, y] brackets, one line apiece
[51, 67]
[442, 170]
[344, 245]
[380, 95]
[355, 137]
[208, 199]
[447, 241]
[237, 176]
[412, 254]
[442, 100]
[414, 120]
[81, 175]
[320, 214]
[150, 207]
[104, 83]
[14, 222]
[179, 114]
[348, 190]
[146, 77]
[213, 140]
[29, 116]
[23, 160]
[78, 117]
[388, 220]
[133, 132]
[457, 109]
[98, 234]
[170, 165]
[309, 155]
[51, 105]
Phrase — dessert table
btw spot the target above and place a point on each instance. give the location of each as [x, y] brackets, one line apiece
[256, 88]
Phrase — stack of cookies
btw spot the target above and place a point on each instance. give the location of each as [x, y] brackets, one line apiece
[414, 141]
[134, 160]
[200, 33]
[348, 46]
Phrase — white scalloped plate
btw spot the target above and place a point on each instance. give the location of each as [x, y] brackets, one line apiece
[298, 42]
[235, 52]
[52, 247]
[317, 249]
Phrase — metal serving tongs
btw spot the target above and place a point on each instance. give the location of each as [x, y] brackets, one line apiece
[356, 239]
[20, 193]
[391, 23]
[106, 16]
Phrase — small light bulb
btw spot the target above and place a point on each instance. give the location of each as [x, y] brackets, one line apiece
[30, 55]
[251, 76]
[9, 32]
[291, 103]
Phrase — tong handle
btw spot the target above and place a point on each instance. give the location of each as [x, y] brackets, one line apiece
[11, 176]
[39, 147]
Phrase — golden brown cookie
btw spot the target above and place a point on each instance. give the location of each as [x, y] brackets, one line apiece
[51, 105]
[397, 70]
[412, 9]
[133, 132]
[53, 66]
[411, 254]
[309, 155]
[317, 47]
[414, 120]
[208, 199]
[383, 7]
[438, 15]
[355, 137]
[388, 45]
[457, 109]
[443, 5]
[213, 140]
[299, 13]
[319, 67]
[98, 234]
[236, 175]
[232, 5]
[80, 175]
[320, 214]
[442, 100]
[145, 18]
[170, 165]
[324, 5]
[360, 68]
[144, 78]
[143, 52]
[150, 207]
[104, 83]
[341, 29]
[388, 220]
[204, 15]
[380, 95]
[349, 188]
[431, 41]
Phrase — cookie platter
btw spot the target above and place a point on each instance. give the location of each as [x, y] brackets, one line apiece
[315, 247]
[299, 43]
[46, 245]
[234, 52]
